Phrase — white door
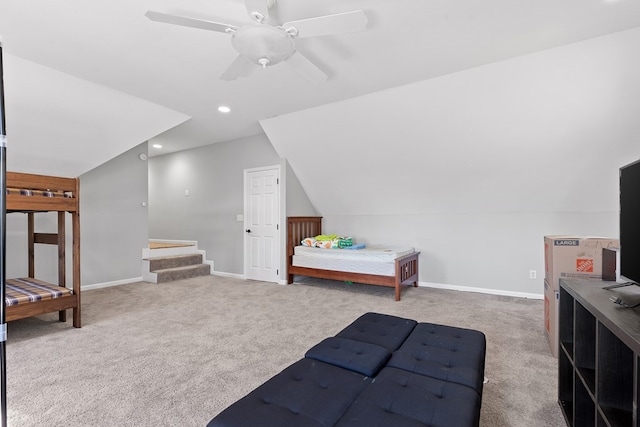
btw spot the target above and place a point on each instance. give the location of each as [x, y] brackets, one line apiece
[262, 215]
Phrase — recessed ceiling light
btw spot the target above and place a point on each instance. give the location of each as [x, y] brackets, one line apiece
[157, 146]
[224, 109]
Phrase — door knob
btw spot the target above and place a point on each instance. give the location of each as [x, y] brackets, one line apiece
[247, 230]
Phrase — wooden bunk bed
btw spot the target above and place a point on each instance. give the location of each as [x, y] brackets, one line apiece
[298, 228]
[30, 194]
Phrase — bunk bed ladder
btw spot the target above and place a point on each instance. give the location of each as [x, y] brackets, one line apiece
[49, 239]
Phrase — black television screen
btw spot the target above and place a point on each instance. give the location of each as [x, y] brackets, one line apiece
[630, 221]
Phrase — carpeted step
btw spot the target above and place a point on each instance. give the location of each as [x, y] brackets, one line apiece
[183, 272]
[163, 263]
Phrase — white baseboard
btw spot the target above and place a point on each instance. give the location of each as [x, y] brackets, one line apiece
[482, 290]
[233, 275]
[284, 282]
[109, 284]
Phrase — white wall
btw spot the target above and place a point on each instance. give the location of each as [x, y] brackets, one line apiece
[62, 125]
[297, 203]
[473, 168]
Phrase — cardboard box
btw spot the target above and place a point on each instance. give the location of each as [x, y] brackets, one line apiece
[551, 312]
[574, 257]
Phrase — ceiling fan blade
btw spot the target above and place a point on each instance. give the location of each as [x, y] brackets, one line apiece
[240, 67]
[259, 7]
[329, 24]
[189, 22]
[306, 68]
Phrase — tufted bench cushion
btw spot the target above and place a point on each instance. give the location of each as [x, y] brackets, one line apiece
[380, 329]
[444, 352]
[307, 393]
[364, 358]
[381, 370]
[404, 399]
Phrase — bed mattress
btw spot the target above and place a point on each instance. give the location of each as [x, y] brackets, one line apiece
[375, 259]
[376, 253]
[24, 290]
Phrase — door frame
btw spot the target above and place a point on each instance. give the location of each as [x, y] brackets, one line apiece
[281, 220]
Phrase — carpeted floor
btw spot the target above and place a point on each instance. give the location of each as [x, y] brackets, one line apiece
[176, 354]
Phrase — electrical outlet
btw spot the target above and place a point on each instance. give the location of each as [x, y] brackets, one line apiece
[533, 274]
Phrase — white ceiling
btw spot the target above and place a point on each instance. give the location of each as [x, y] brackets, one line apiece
[151, 77]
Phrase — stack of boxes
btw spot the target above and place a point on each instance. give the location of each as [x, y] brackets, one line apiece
[568, 257]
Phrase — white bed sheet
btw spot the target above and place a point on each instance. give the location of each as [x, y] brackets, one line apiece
[376, 253]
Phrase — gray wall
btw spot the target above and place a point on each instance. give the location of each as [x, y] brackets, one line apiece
[491, 252]
[113, 226]
[113, 221]
[214, 177]
[46, 256]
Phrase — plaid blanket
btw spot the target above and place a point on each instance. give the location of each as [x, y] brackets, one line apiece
[24, 290]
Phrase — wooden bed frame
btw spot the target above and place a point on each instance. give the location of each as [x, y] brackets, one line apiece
[300, 227]
[61, 205]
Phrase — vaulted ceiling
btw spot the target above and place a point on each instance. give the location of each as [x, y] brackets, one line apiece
[86, 81]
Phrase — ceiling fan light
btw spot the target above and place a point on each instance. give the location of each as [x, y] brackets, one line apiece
[263, 42]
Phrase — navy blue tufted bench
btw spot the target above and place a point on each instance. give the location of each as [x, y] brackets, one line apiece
[380, 370]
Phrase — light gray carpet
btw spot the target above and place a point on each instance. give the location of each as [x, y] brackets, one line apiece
[176, 354]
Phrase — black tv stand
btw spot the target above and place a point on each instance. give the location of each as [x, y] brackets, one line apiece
[599, 349]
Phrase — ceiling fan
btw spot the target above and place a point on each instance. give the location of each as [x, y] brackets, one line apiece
[264, 44]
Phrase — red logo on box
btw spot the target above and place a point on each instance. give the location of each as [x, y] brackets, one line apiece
[584, 265]
[546, 257]
[546, 313]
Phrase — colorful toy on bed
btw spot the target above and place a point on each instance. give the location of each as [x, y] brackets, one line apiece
[356, 246]
[331, 241]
